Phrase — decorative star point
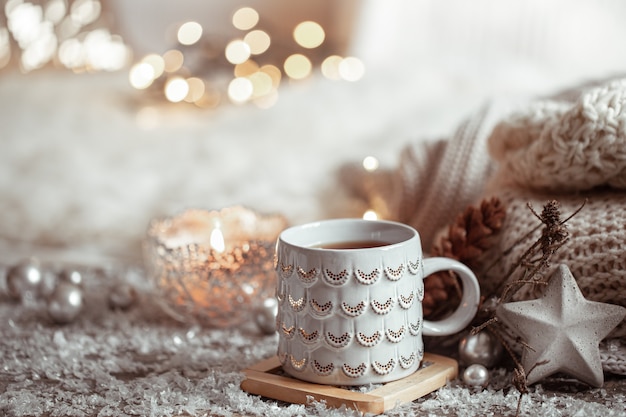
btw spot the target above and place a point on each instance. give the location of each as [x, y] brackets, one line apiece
[563, 330]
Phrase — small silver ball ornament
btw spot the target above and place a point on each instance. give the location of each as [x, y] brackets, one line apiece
[265, 315]
[122, 296]
[482, 348]
[476, 376]
[72, 276]
[24, 280]
[65, 303]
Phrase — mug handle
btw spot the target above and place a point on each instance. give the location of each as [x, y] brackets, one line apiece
[468, 307]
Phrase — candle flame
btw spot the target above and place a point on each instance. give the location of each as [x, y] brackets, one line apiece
[370, 215]
[217, 240]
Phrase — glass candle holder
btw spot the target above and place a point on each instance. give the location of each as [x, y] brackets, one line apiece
[213, 267]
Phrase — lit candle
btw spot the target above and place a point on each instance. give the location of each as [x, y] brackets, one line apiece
[213, 267]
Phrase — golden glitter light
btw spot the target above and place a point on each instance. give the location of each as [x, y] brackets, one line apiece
[261, 84]
[274, 72]
[246, 69]
[309, 34]
[298, 66]
[258, 41]
[245, 18]
[189, 33]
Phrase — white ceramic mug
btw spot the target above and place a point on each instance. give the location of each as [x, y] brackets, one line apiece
[349, 301]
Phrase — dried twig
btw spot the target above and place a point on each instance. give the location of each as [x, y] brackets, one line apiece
[534, 261]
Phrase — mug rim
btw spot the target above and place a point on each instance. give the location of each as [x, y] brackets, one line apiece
[289, 236]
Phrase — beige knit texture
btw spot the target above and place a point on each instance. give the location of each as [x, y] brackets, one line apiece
[554, 145]
[594, 252]
[571, 149]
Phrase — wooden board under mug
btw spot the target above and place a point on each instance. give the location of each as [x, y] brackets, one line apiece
[265, 379]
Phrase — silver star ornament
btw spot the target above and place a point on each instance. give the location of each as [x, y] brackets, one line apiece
[563, 330]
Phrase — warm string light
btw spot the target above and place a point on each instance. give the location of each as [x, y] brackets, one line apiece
[56, 32]
[370, 164]
[250, 81]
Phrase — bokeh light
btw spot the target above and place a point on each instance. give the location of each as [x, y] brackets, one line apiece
[351, 69]
[141, 75]
[176, 89]
[71, 53]
[253, 59]
[258, 41]
[240, 90]
[84, 12]
[309, 34]
[54, 32]
[55, 11]
[24, 21]
[104, 52]
[245, 18]
[261, 84]
[189, 33]
[173, 60]
[68, 28]
[370, 163]
[246, 68]
[274, 72]
[297, 66]
[330, 67]
[237, 51]
[196, 89]
[156, 62]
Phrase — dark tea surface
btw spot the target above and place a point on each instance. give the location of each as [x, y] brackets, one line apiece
[355, 244]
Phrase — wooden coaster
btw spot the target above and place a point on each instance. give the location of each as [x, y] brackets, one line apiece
[264, 379]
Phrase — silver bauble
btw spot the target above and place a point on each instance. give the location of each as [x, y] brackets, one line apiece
[482, 348]
[65, 303]
[476, 375]
[48, 284]
[72, 276]
[122, 296]
[265, 315]
[24, 279]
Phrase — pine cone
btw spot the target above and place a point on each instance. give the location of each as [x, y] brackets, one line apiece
[469, 237]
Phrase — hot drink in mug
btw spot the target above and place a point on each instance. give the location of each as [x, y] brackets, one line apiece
[349, 301]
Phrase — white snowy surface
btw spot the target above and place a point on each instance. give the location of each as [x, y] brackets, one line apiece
[141, 363]
[86, 162]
